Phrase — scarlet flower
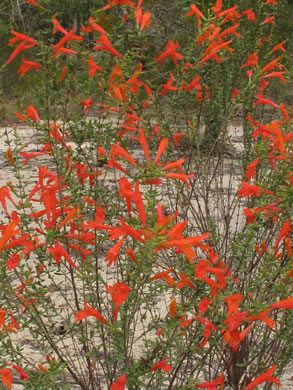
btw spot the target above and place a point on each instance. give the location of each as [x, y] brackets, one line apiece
[32, 113]
[23, 374]
[217, 7]
[170, 51]
[250, 172]
[211, 56]
[30, 155]
[232, 303]
[26, 43]
[142, 19]
[63, 50]
[131, 254]
[4, 193]
[162, 365]
[89, 311]
[195, 11]
[213, 385]
[142, 140]
[279, 47]
[271, 65]
[204, 304]
[113, 252]
[33, 2]
[252, 60]
[266, 377]
[176, 138]
[165, 276]
[12, 263]
[250, 14]
[180, 176]
[162, 147]
[86, 104]
[57, 27]
[58, 251]
[9, 231]
[10, 156]
[184, 281]
[26, 66]
[63, 73]
[284, 304]
[139, 203]
[276, 74]
[105, 44]
[194, 84]
[234, 337]
[119, 292]
[94, 26]
[286, 228]
[120, 383]
[114, 3]
[207, 330]
[202, 268]
[118, 151]
[262, 316]
[93, 67]
[6, 377]
[269, 20]
[251, 190]
[67, 38]
[168, 86]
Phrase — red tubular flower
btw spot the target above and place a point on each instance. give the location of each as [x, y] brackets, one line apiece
[23, 374]
[170, 51]
[195, 11]
[168, 86]
[9, 231]
[162, 365]
[251, 190]
[184, 281]
[63, 73]
[6, 377]
[33, 2]
[180, 176]
[204, 304]
[165, 276]
[213, 385]
[266, 377]
[26, 66]
[284, 304]
[279, 47]
[271, 65]
[112, 254]
[105, 44]
[32, 113]
[120, 383]
[95, 27]
[12, 263]
[119, 292]
[269, 20]
[58, 251]
[118, 151]
[4, 193]
[26, 42]
[93, 67]
[262, 316]
[89, 311]
[217, 7]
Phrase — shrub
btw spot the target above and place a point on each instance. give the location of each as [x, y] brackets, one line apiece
[120, 265]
